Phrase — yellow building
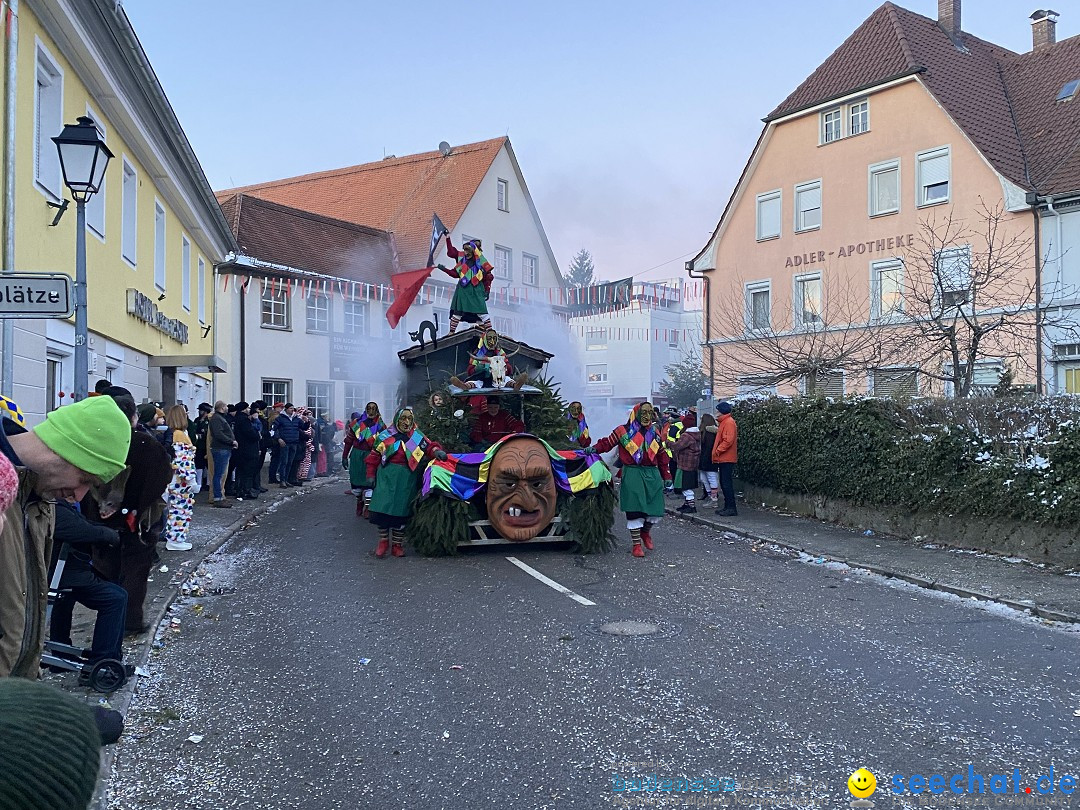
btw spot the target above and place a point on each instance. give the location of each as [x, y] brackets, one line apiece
[154, 232]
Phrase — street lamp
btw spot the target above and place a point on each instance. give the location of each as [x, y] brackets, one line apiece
[83, 159]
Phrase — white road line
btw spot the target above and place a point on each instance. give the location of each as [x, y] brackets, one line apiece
[532, 572]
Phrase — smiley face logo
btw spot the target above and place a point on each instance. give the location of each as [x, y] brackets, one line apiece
[862, 784]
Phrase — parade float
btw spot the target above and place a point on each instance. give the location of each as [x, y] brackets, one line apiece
[539, 485]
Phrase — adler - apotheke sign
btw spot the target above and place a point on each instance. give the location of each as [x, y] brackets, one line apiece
[147, 311]
[870, 247]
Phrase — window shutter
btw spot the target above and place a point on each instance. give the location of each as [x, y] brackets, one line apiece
[935, 170]
[810, 198]
[769, 212]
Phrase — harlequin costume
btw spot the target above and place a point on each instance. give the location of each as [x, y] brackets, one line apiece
[579, 428]
[478, 372]
[644, 473]
[395, 466]
[180, 494]
[360, 438]
[473, 274]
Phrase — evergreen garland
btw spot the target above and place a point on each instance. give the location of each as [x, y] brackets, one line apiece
[439, 524]
[588, 517]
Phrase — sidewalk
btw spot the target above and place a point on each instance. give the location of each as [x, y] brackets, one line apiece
[210, 529]
[1009, 581]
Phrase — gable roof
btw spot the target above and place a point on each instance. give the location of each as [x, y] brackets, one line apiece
[395, 194]
[300, 240]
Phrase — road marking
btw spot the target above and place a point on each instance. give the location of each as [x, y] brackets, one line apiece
[532, 572]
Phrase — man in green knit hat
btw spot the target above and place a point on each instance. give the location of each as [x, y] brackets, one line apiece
[76, 447]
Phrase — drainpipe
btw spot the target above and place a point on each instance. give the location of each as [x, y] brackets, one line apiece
[708, 327]
[243, 342]
[7, 253]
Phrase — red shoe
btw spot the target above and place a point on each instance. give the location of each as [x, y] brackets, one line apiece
[382, 548]
[646, 539]
[637, 550]
[398, 550]
[360, 507]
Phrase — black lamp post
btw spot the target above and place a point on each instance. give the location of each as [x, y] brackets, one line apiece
[83, 159]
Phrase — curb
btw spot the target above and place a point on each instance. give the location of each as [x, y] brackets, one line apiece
[957, 590]
[126, 693]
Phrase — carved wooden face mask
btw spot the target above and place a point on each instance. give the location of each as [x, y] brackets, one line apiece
[404, 423]
[575, 410]
[372, 410]
[521, 491]
[646, 415]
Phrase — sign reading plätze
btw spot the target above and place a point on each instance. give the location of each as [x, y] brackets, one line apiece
[147, 311]
[36, 295]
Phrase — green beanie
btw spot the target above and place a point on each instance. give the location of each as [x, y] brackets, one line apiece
[93, 435]
[49, 747]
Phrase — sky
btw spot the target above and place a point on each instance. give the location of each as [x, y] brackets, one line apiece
[631, 120]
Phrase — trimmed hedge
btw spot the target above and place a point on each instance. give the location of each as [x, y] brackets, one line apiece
[1011, 458]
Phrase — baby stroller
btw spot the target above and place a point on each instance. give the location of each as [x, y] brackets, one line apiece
[105, 675]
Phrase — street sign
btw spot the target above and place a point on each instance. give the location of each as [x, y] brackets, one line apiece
[36, 295]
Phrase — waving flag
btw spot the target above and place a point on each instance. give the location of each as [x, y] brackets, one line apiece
[437, 231]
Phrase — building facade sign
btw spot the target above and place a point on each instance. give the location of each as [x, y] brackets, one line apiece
[36, 295]
[147, 311]
[859, 248]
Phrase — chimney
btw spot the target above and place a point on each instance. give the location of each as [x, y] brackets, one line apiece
[948, 17]
[1043, 29]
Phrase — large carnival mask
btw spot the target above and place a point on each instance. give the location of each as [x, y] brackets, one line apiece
[646, 415]
[405, 422]
[372, 410]
[521, 492]
[575, 410]
[491, 340]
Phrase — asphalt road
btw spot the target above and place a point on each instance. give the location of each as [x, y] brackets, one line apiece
[485, 688]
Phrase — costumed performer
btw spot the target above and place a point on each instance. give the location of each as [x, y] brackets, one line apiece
[360, 438]
[579, 428]
[644, 473]
[474, 275]
[479, 371]
[394, 465]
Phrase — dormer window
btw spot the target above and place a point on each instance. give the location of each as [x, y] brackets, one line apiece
[845, 121]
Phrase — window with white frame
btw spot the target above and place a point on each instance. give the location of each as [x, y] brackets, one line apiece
[759, 307]
[894, 382]
[48, 121]
[595, 339]
[318, 313]
[809, 300]
[502, 262]
[596, 373]
[755, 387]
[1067, 351]
[832, 125]
[202, 290]
[129, 192]
[95, 206]
[503, 194]
[887, 282]
[356, 317]
[884, 188]
[319, 396]
[858, 117]
[933, 170]
[356, 398]
[185, 273]
[768, 215]
[953, 271]
[530, 272]
[159, 246]
[275, 390]
[275, 307]
[808, 206]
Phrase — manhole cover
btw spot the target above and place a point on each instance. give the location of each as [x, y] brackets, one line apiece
[630, 628]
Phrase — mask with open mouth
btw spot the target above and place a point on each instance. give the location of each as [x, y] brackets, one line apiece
[521, 491]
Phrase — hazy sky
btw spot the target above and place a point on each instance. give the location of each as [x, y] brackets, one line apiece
[631, 120]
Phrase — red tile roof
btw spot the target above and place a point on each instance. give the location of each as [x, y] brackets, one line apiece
[1004, 101]
[301, 240]
[396, 194]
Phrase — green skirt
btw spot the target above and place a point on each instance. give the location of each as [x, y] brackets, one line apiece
[469, 298]
[641, 490]
[358, 469]
[395, 487]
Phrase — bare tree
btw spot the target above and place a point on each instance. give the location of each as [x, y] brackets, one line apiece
[828, 332]
[969, 295]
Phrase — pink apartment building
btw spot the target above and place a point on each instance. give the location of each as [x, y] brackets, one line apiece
[898, 193]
